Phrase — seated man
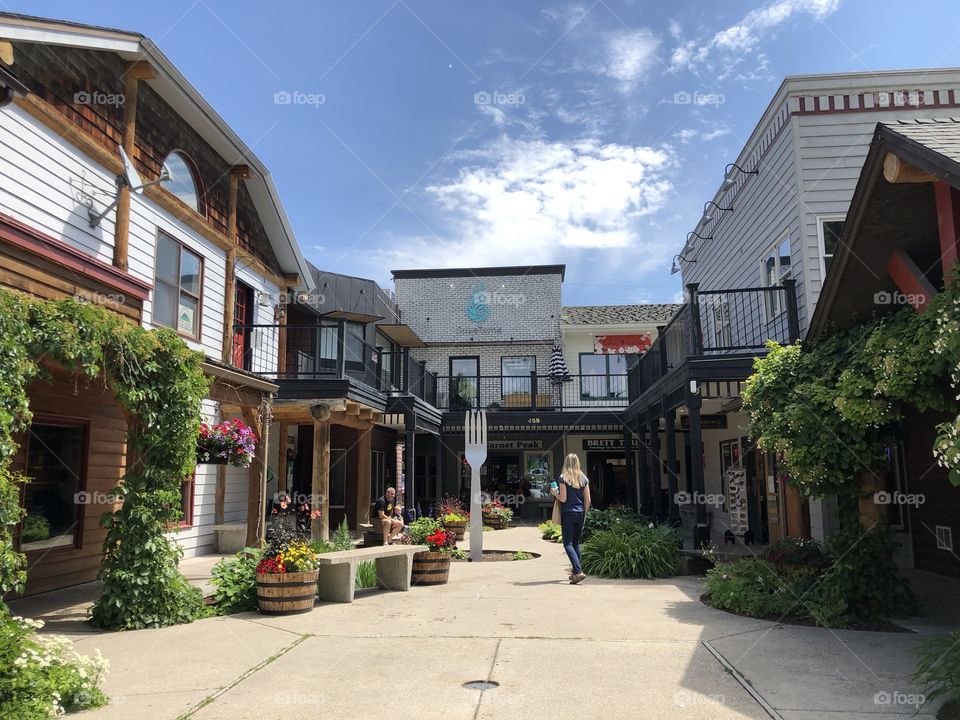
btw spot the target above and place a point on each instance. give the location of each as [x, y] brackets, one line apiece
[388, 515]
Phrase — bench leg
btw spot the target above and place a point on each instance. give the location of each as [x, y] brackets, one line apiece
[393, 573]
[336, 583]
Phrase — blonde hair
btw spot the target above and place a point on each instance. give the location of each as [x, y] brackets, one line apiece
[572, 474]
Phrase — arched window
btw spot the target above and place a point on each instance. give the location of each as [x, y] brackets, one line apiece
[183, 182]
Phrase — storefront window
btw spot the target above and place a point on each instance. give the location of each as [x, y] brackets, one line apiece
[464, 382]
[515, 374]
[53, 498]
[603, 376]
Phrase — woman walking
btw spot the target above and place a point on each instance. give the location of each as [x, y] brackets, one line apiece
[573, 492]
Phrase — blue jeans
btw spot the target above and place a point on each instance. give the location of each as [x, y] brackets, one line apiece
[571, 523]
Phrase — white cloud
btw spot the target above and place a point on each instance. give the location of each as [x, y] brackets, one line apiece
[715, 133]
[630, 55]
[686, 135]
[734, 42]
[531, 201]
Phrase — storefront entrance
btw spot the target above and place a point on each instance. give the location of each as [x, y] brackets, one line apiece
[608, 478]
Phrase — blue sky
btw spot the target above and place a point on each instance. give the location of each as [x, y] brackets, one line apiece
[428, 134]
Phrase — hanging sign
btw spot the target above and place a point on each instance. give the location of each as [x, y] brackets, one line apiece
[621, 344]
[514, 444]
[707, 422]
[608, 444]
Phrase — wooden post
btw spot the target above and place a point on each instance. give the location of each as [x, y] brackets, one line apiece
[221, 494]
[320, 480]
[255, 480]
[948, 223]
[701, 532]
[670, 418]
[237, 173]
[135, 72]
[363, 476]
[655, 481]
[282, 443]
[643, 464]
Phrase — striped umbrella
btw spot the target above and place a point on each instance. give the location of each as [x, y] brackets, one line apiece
[558, 367]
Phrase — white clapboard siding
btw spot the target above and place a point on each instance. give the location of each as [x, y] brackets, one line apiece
[41, 175]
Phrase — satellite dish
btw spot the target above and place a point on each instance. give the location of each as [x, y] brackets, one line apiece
[130, 173]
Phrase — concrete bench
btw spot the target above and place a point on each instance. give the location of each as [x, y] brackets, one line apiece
[338, 570]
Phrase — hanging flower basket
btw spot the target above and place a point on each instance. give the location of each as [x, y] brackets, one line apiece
[229, 443]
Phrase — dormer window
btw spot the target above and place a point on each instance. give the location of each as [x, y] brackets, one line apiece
[183, 183]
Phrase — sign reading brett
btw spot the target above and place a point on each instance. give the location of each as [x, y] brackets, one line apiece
[608, 444]
[621, 344]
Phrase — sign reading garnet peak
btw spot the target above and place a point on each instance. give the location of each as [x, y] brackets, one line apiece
[478, 309]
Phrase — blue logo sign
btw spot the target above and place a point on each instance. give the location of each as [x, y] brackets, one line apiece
[478, 310]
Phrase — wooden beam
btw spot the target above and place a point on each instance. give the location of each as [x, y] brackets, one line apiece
[350, 421]
[237, 173]
[353, 408]
[896, 170]
[255, 513]
[220, 494]
[366, 414]
[918, 291]
[948, 224]
[320, 479]
[364, 439]
[282, 431]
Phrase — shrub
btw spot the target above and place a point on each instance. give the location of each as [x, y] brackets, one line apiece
[522, 555]
[938, 669]
[421, 528]
[550, 531]
[614, 516]
[452, 510]
[797, 552]
[43, 676]
[751, 586]
[863, 577]
[235, 582]
[366, 574]
[321, 546]
[341, 538]
[636, 551]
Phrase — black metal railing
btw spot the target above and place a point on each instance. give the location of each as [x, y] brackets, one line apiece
[531, 392]
[328, 350]
[718, 322]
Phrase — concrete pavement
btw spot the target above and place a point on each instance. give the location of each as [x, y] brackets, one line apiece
[633, 649]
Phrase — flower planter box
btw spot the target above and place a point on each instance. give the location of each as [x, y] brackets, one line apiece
[457, 527]
[286, 593]
[494, 521]
[430, 568]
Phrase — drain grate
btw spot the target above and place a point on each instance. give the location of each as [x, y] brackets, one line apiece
[481, 685]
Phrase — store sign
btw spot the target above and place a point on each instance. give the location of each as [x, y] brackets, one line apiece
[608, 444]
[514, 444]
[707, 422]
[621, 344]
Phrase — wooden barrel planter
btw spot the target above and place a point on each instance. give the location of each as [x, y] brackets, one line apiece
[430, 568]
[494, 521]
[286, 593]
[457, 527]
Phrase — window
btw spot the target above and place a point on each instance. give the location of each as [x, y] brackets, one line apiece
[425, 478]
[515, 374]
[183, 182]
[829, 230]
[776, 267]
[603, 376]
[338, 478]
[722, 337]
[178, 288]
[54, 497]
[464, 382]
[186, 501]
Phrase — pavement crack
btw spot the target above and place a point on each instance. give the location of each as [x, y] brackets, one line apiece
[210, 699]
[744, 683]
[493, 664]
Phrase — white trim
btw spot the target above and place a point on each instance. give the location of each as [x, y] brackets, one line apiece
[821, 248]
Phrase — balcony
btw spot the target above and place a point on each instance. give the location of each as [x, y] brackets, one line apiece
[714, 324]
[533, 392]
[328, 351]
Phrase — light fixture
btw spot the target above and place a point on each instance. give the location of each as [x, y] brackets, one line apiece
[729, 175]
[688, 246]
[707, 215]
[677, 259]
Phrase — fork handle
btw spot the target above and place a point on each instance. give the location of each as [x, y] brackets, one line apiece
[476, 517]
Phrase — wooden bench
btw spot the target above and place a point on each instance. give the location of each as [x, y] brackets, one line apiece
[338, 570]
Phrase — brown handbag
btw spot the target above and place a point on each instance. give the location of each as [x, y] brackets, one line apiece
[556, 511]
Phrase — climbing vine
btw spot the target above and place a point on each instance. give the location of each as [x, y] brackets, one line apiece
[834, 407]
[159, 383]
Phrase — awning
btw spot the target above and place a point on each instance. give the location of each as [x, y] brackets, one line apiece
[352, 316]
[402, 335]
[236, 387]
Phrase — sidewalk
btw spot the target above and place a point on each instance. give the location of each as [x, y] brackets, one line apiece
[641, 649]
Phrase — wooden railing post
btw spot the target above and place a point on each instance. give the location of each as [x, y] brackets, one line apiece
[533, 389]
[341, 348]
[405, 371]
[793, 315]
[696, 333]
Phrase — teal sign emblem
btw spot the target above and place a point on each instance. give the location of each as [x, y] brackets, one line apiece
[478, 310]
